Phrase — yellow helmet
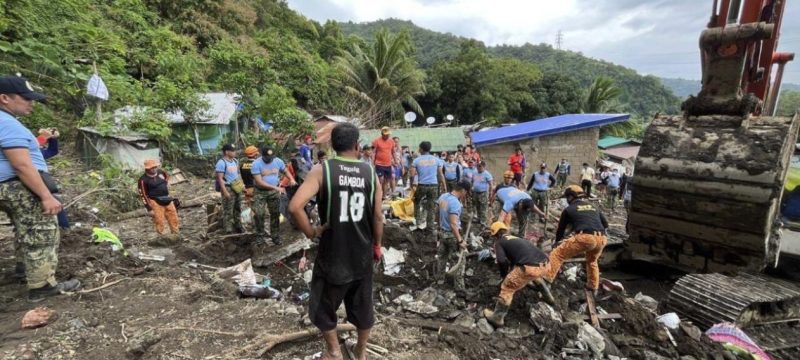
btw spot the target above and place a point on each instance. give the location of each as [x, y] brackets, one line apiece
[573, 190]
[497, 226]
[508, 174]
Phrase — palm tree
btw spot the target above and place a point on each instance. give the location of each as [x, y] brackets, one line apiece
[382, 79]
[603, 97]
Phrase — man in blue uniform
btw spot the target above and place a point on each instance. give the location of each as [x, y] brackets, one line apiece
[539, 187]
[267, 171]
[521, 203]
[451, 240]
[427, 171]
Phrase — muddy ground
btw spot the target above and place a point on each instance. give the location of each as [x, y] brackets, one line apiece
[173, 309]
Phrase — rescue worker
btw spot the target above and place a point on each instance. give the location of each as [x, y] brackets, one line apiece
[612, 189]
[26, 193]
[251, 153]
[452, 171]
[539, 187]
[428, 175]
[230, 184]
[267, 172]
[519, 263]
[482, 182]
[587, 179]
[154, 191]
[588, 236]
[508, 179]
[469, 170]
[563, 170]
[522, 204]
[451, 241]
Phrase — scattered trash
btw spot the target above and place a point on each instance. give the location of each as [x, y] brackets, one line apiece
[670, 320]
[469, 272]
[393, 260]
[572, 274]
[247, 216]
[104, 235]
[543, 316]
[267, 282]
[307, 276]
[609, 285]
[259, 292]
[588, 335]
[646, 301]
[154, 254]
[692, 331]
[241, 273]
[735, 340]
[403, 299]
[421, 308]
[300, 298]
[485, 327]
[95, 210]
[38, 317]
[428, 295]
[145, 256]
[484, 254]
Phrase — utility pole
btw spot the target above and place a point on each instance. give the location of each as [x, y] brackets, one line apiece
[559, 39]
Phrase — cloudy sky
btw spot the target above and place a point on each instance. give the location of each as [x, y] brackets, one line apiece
[652, 36]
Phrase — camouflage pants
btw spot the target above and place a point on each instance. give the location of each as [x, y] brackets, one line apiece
[448, 251]
[425, 199]
[36, 234]
[561, 180]
[522, 222]
[451, 184]
[266, 201]
[540, 199]
[232, 211]
[480, 204]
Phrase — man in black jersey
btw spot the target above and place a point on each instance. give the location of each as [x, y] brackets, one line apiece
[588, 236]
[349, 200]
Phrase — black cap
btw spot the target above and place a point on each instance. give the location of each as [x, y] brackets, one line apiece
[228, 147]
[20, 86]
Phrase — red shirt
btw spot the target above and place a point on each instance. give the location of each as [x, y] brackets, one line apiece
[383, 151]
[515, 162]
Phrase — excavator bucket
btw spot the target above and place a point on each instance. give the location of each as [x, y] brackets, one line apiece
[707, 191]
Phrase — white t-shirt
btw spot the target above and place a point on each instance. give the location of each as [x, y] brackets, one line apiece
[587, 173]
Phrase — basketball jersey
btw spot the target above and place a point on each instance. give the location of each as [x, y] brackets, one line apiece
[346, 206]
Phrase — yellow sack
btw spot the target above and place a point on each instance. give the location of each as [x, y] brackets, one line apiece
[404, 208]
[792, 179]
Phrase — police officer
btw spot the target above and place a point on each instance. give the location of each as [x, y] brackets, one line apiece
[26, 193]
[267, 171]
[522, 204]
[519, 262]
[427, 172]
[539, 187]
[452, 171]
[482, 183]
[231, 185]
[451, 240]
[588, 236]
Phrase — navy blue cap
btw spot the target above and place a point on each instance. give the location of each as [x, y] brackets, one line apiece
[20, 86]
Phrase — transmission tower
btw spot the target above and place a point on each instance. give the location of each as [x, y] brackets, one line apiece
[559, 39]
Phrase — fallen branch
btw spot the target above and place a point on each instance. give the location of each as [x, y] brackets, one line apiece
[267, 342]
[85, 194]
[100, 287]
[216, 332]
[283, 252]
[434, 325]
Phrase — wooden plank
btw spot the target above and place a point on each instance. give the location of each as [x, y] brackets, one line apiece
[590, 306]
[283, 252]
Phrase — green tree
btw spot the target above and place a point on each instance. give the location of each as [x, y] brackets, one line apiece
[603, 96]
[382, 79]
[788, 103]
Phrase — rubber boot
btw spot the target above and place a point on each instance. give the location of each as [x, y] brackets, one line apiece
[36, 295]
[548, 296]
[496, 317]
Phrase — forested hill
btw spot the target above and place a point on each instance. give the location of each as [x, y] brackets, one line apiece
[644, 95]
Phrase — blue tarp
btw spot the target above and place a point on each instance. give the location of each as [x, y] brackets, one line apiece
[542, 127]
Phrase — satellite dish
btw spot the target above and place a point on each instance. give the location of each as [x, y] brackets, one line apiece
[430, 120]
[449, 117]
[410, 117]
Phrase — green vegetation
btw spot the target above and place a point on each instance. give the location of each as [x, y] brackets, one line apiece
[789, 103]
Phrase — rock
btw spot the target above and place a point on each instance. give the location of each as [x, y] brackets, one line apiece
[306, 320]
[469, 272]
[291, 310]
[76, 324]
[650, 355]
[688, 357]
[494, 281]
[421, 308]
[465, 320]
[485, 327]
[427, 296]
[138, 346]
[543, 316]
[692, 331]
[646, 301]
[452, 314]
[403, 299]
[441, 301]
[593, 339]
[340, 312]
[38, 317]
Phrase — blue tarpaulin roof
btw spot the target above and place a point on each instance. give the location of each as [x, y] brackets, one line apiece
[542, 127]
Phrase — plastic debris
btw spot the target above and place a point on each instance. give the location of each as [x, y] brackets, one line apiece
[646, 301]
[734, 339]
[484, 254]
[670, 320]
[38, 317]
[609, 285]
[241, 273]
[100, 235]
[393, 260]
[259, 292]
[592, 338]
[572, 273]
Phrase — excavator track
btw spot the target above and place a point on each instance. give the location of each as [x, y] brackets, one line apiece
[746, 299]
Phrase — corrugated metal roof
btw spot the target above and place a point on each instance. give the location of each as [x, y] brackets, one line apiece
[222, 109]
[130, 136]
[542, 127]
[335, 118]
[442, 139]
[610, 141]
[623, 152]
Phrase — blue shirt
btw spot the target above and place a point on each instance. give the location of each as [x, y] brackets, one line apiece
[230, 169]
[449, 205]
[14, 135]
[270, 173]
[613, 180]
[451, 170]
[427, 168]
[541, 181]
[480, 181]
[510, 196]
[305, 152]
[467, 173]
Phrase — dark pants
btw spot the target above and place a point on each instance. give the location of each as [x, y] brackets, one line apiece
[326, 298]
[587, 187]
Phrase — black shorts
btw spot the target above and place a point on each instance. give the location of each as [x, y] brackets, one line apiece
[326, 298]
[383, 171]
[518, 177]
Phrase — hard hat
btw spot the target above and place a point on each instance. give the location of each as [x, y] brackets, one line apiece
[573, 190]
[497, 226]
[250, 151]
[150, 163]
[508, 174]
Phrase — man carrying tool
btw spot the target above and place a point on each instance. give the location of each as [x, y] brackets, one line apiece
[452, 171]
[519, 262]
[154, 191]
[267, 172]
[451, 241]
[588, 236]
[522, 204]
[563, 170]
[541, 182]
[251, 153]
[230, 184]
[350, 239]
[482, 182]
[428, 174]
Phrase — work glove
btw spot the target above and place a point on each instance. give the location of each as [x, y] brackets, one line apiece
[377, 253]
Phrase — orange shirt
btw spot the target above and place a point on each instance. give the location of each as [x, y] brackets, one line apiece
[383, 151]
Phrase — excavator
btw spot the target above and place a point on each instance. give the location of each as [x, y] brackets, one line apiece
[708, 183]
